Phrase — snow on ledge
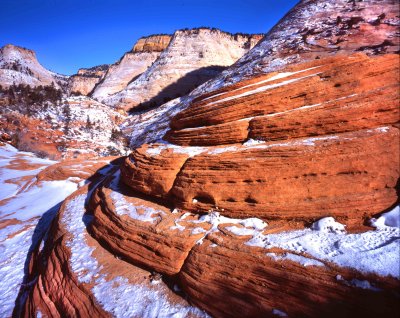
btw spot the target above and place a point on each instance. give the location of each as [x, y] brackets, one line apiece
[123, 207]
[328, 225]
[369, 252]
[376, 251]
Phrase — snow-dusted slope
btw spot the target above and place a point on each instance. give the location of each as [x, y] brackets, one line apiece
[20, 66]
[77, 126]
[192, 57]
[314, 29]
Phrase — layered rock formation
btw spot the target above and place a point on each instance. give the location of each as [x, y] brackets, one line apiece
[86, 79]
[316, 112]
[19, 66]
[321, 97]
[131, 65]
[239, 267]
[192, 57]
[271, 195]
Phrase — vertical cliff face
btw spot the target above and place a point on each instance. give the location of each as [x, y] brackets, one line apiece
[152, 43]
[191, 58]
[131, 65]
[86, 79]
[20, 66]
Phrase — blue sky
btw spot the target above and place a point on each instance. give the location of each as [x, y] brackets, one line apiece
[69, 34]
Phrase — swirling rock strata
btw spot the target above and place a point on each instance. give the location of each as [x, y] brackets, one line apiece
[326, 96]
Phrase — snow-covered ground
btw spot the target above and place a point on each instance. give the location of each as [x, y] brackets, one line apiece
[26, 206]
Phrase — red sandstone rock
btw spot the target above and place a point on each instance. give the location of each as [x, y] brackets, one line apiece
[348, 176]
[147, 237]
[323, 97]
[152, 174]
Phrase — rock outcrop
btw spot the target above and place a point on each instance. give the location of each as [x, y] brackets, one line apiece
[19, 66]
[325, 96]
[191, 58]
[350, 176]
[231, 279]
[86, 79]
[107, 244]
[131, 65]
[139, 231]
[332, 125]
[152, 43]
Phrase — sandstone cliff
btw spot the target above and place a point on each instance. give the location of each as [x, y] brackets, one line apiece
[191, 58]
[131, 65]
[86, 79]
[152, 43]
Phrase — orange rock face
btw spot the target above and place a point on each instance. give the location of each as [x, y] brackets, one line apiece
[349, 176]
[152, 175]
[337, 117]
[322, 97]
[153, 43]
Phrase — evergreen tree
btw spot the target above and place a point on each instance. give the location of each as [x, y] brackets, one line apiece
[89, 124]
[67, 116]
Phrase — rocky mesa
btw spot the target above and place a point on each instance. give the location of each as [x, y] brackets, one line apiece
[131, 65]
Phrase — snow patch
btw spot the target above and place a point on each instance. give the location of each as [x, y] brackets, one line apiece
[369, 252]
[37, 200]
[328, 225]
[259, 90]
[388, 219]
[305, 261]
[279, 313]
